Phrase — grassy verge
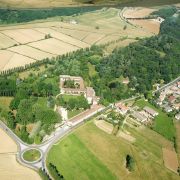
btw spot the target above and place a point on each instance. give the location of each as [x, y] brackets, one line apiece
[31, 155]
[163, 124]
[74, 113]
[43, 175]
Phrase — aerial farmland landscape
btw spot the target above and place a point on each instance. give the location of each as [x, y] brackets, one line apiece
[89, 90]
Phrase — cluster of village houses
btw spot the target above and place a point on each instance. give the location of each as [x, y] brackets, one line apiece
[169, 99]
[145, 116]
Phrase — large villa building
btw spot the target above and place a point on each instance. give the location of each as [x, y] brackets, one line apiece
[78, 88]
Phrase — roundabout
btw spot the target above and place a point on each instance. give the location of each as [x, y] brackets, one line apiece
[31, 155]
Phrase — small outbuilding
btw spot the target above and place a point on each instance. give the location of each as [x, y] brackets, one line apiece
[177, 116]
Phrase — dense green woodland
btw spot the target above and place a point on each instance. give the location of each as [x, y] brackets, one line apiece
[145, 63]
[20, 15]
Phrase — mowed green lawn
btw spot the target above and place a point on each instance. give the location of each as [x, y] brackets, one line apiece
[75, 161]
[74, 113]
[90, 153]
[163, 124]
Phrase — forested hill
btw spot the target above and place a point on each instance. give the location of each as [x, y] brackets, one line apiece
[25, 15]
[148, 61]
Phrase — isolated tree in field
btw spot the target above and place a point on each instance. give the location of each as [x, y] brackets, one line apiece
[129, 162]
[125, 27]
[47, 36]
[97, 27]
[178, 171]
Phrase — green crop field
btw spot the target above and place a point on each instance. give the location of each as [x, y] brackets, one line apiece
[75, 161]
[90, 153]
[163, 124]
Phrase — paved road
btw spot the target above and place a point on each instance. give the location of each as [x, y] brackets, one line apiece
[44, 147]
[166, 85]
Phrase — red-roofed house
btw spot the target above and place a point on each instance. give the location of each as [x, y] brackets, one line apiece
[171, 99]
[122, 108]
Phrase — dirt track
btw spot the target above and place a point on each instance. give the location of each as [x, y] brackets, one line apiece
[170, 159]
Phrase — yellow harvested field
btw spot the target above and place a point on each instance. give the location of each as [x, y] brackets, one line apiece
[107, 39]
[5, 41]
[17, 60]
[6, 143]
[63, 37]
[10, 169]
[105, 126]
[30, 52]
[170, 159]
[31, 44]
[93, 38]
[78, 34]
[149, 25]
[53, 46]
[24, 35]
[5, 57]
[126, 136]
[137, 12]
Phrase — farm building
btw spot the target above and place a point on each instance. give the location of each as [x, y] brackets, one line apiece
[171, 99]
[78, 82]
[160, 19]
[77, 88]
[91, 96]
[139, 117]
[121, 108]
[150, 111]
[167, 108]
[177, 116]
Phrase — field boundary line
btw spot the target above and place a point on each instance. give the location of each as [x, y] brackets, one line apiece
[41, 50]
[9, 37]
[105, 35]
[67, 42]
[22, 54]
[68, 35]
[86, 36]
[2, 69]
[56, 38]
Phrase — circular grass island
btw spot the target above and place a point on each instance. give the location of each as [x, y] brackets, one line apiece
[31, 155]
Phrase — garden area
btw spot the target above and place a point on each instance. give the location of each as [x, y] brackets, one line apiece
[74, 104]
[163, 124]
